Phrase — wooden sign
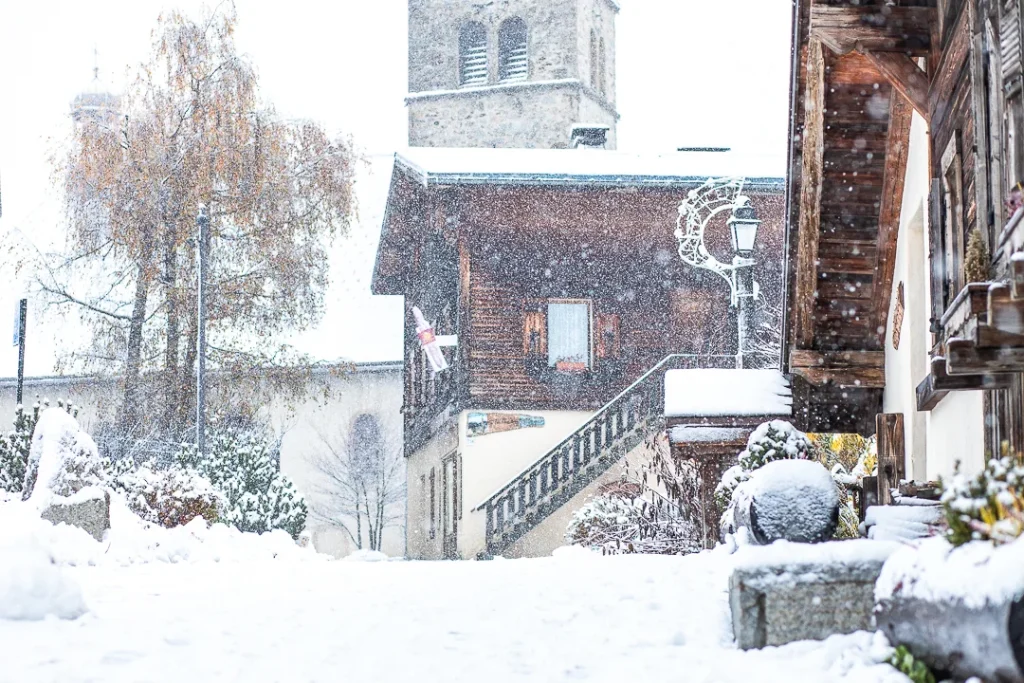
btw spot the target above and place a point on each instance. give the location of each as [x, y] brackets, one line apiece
[479, 424]
[897, 317]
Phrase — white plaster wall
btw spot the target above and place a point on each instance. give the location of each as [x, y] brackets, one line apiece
[420, 545]
[549, 535]
[491, 461]
[907, 366]
[956, 432]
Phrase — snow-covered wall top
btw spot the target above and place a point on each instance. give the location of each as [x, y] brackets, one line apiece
[445, 165]
[714, 392]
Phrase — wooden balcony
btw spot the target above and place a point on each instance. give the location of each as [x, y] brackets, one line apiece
[983, 340]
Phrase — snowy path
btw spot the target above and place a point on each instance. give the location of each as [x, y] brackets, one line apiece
[565, 618]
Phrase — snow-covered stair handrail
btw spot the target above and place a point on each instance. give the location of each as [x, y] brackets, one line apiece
[614, 430]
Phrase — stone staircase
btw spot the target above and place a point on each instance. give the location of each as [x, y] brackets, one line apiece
[620, 426]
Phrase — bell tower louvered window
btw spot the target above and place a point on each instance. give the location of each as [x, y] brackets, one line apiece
[473, 54]
[514, 56]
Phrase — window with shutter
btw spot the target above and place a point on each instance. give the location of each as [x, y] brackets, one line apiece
[569, 335]
[953, 217]
[514, 52]
[473, 54]
[935, 260]
[1009, 47]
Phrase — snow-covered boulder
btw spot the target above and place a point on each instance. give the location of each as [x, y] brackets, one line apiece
[792, 500]
[786, 592]
[89, 510]
[63, 459]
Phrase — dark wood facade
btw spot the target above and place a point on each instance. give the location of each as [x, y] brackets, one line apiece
[861, 69]
[484, 259]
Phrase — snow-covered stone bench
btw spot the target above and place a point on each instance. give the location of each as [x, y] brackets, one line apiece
[786, 592]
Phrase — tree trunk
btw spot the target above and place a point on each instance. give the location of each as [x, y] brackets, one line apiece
[129, 419]
[172, 390]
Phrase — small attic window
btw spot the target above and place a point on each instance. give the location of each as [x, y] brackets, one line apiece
[514, 55]
[473, 54]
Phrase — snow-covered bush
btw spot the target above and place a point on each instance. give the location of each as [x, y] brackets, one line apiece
[988, 506]
[16, 443]
[244, 467]
[771, 441]
[170, 497]
[622, 524]
[63, 459]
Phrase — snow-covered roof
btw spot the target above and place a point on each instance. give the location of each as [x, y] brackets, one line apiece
[702, 434]
[714, 392]
[462, 166]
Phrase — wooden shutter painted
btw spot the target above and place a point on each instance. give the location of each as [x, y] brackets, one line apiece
[1009, 47]
[535, 330]
[609, 343]
[936, 255]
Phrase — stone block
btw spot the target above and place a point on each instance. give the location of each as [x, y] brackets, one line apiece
[89, 509]
[786, 592]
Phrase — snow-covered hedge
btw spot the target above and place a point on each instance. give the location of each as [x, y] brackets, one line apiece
[618, 524]
[243, 466]
[988, 506]
[169, 497]
[771, 441]
[63, 459]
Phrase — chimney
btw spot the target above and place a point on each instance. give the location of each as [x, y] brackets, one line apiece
[589, 136]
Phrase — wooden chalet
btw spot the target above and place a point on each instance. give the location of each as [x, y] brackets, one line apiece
[907, 147]
[554, 279]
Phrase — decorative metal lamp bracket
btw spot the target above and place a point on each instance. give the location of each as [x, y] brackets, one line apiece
[701, 205]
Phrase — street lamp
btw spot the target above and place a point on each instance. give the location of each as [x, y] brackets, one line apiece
[743, 225]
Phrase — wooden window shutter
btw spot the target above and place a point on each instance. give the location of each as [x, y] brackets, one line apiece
[1009, 47]
[535, 329]
[609, 344]
[936, 257]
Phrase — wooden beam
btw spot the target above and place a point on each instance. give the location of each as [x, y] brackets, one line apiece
[845, 369]
[938, 383]
[837, 359]
[891, 444]
[945, 77]
[896, 152]
[905, 76]
[964, 357]
[813, 145]
[847, 28]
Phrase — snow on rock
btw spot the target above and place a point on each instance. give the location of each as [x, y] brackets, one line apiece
[62, 460]
[712, 392]
[977, 573]
[32, 586]
[795, 500]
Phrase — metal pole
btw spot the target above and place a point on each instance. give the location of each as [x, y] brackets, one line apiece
[745, 316]
[203, 221]
[22, 320]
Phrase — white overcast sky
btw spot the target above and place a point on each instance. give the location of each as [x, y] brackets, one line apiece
[690, 73]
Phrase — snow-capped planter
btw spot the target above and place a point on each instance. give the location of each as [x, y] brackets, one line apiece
[960, 610]
[791, 500]
[786, 592]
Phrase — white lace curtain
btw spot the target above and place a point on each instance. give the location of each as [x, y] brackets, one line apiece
[569, 333]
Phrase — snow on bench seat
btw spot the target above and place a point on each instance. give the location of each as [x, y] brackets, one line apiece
[716, 392]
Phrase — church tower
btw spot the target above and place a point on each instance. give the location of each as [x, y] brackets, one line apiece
[510, 73]
[96, 104]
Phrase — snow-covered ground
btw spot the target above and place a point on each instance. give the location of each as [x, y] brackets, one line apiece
[297, 617]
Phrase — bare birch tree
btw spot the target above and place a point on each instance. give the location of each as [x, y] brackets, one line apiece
[193, 131]
[361, 482]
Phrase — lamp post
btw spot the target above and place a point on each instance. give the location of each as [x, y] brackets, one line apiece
[743, 225]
